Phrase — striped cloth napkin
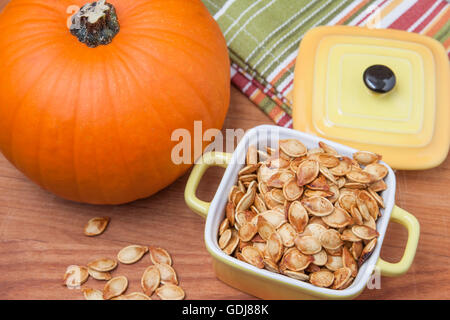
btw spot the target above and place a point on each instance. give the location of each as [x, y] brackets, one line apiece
[263, 37]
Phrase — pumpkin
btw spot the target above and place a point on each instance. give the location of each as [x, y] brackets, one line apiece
[88, 112]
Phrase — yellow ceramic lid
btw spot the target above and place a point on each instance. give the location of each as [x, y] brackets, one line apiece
[385, 91]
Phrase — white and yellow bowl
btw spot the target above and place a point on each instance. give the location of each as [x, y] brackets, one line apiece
[263, 283]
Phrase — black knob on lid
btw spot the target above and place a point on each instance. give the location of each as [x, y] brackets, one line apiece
[379, 78]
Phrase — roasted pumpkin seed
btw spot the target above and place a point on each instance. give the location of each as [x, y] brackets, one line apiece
[291, 190]
[246, 232]
[103, 265]
[376, 170]
[293, 148]
[150, 280]
[318, 206]
[341, 277]
[170, 292]
[364, 232]
[160, 255]
[96, 226]
[253, 256]
[131, 254]
[338, 219]
[115, 287]
[224, 239]
[167, 273]
[75, 276]
[322, 278]
[308, 244]
[92, 294]
[298, 216]
[97, 275]
[307, 172]
[331, 239]
[366, 157]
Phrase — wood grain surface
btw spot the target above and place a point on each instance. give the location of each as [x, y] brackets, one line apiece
[40, 234]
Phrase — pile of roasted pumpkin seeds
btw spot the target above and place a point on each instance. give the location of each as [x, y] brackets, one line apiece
[307, 214]
[159, 278]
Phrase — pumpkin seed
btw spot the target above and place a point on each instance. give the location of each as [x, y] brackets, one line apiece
[341, 182]
[293, 148]
[356, 249]
[115, 287]
[274, 247]
[348, 235]
[249, 169]
[376, 170]
[232, 244]
[253, 256]
[322, 278]
[247, 178]
[318, 206]
[320, 258]
[295, 260]
[265, 229]
[343, 168]
[224, 239]
[378, 186]
[170, 292]
[349, 262]
[270, 265]
[75, 276]
[376, 197]
[356, 215]
[160, 255]
[327, 174]
[92, 294]
[335, 190]
[317, 193]
[244, 217]
[366, 157]
[293, 165]
[346, 201]
[291, 190]
[259, 203]
[298, 216]
[246, 232]
[328, 160]
[136, 296]
[334, 263]
[167, 273]
[287, 234]
[334, 252]
[359, 176]
[274, 217]
[298, 275]
[367, 251]
[150, 280]
[341, 277]
[331, 239]
[307, 172]
[370, 203]
[370, 222]
[97, 275]
[103, 265]
[278, 179]
[247, 200]
[315, 229]
[131, 254]
[364, 232]
[230, 213]
[252, 155]
[96, 226]
[224, 225]
[308, 244]
[320, 183]
[338, 219]
[327, 148]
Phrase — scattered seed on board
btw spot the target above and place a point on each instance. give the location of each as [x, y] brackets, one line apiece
[103, 264]
[92, 294]
[309, 214]
[115, 287]
[170, 292]
[131, 254]
[96, 226]
[75, 276]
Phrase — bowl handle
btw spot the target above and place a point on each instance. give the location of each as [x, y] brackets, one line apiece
[209, 159]
[412, 225]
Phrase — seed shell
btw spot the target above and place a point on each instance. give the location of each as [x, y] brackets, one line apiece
[115, 287]
[131, 254]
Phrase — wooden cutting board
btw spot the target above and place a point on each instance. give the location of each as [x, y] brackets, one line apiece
[40, 234]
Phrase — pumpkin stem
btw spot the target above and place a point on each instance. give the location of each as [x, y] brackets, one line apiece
[95, 24]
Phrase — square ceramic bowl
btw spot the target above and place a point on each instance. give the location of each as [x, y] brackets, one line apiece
[269, 285]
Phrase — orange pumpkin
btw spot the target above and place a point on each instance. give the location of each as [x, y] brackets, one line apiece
[94, 124]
